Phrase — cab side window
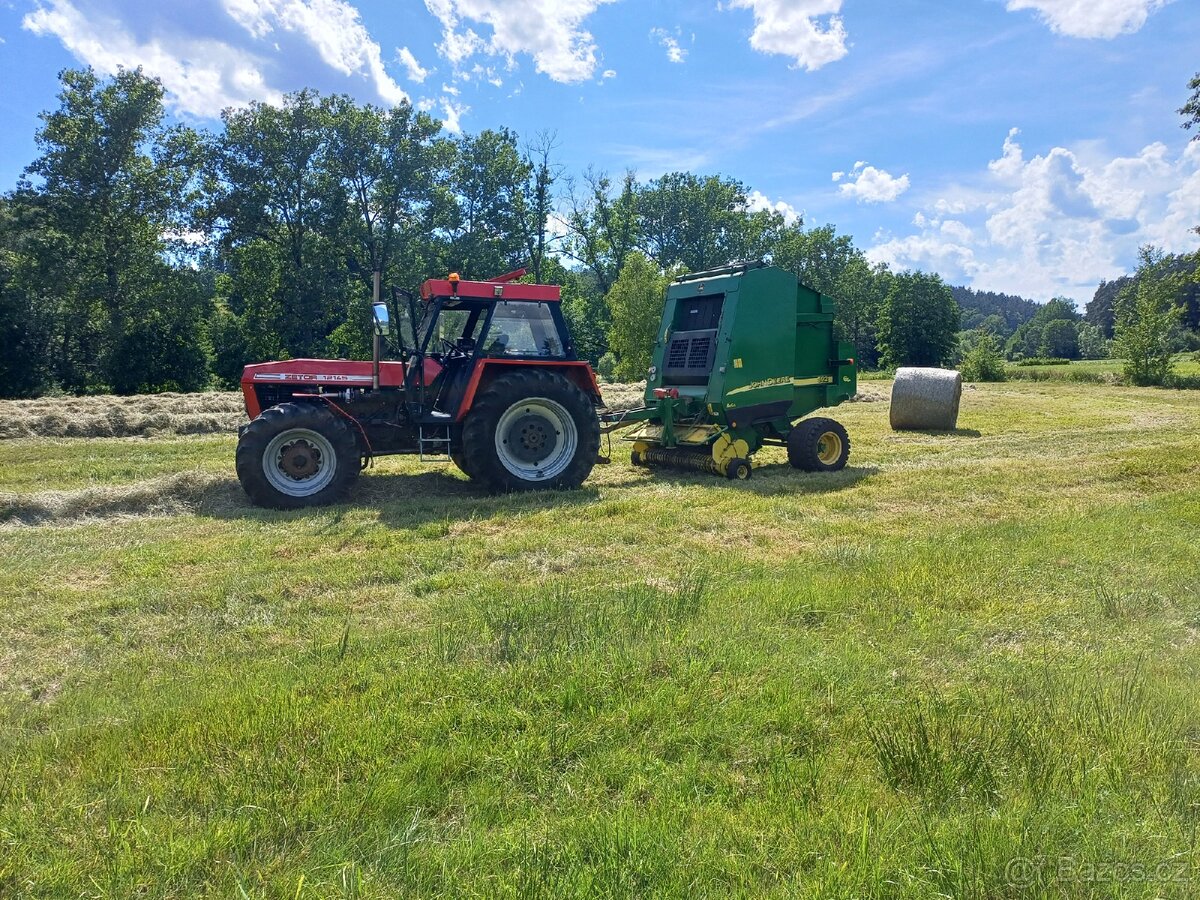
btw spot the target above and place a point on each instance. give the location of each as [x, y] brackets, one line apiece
[522, 329]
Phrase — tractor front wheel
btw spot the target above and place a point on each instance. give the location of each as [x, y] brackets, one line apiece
[531, 429]
[818, 445]
[296, 455]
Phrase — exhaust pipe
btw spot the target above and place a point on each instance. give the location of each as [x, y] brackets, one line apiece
[377, 346]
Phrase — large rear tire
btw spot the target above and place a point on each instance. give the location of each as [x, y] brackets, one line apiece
[529, 430]
[296, 455]
[460, 459]
[818, 445]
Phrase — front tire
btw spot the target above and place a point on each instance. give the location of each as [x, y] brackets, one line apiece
[529, 430]
[296, 455]
[818, 445]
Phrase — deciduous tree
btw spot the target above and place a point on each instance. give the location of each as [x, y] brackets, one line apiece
[1146, 313]
[602, 226]
[1092, 343]
[701, 222]
[488, 178]
[918, 321]
[636, 302]
[275, 183]
[394, 172]
[114, 184]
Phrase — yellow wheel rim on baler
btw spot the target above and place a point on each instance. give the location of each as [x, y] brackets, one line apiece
[829, 448]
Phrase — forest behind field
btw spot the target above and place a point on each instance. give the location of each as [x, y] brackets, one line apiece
[141, 256]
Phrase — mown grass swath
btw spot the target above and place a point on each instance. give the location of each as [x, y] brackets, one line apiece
[965, 649]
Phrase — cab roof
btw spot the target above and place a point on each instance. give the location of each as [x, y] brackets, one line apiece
[502, 287]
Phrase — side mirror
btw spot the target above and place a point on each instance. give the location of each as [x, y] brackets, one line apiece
[382, 321]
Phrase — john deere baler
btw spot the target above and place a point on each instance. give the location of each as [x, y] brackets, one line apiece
[743, 353]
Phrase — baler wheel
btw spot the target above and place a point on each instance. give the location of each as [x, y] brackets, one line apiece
[295, 455]
[531, 429]
[818, 445]
[738, 469]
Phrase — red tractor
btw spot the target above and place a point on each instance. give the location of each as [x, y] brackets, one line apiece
[487, 376]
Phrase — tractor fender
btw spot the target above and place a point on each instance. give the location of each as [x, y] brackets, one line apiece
[488, 370]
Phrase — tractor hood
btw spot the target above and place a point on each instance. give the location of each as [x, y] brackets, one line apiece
[307, 375]
[332, 372]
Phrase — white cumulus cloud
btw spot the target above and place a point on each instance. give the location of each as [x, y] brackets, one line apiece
[452, 113]
[334, 28]
[757, 201]
[202, 75]
[416, 72]
[1091, 18]
[809, 31]
[867, 184]
[550, 31]
[1056, 223]
[670, 43]
[212, 54]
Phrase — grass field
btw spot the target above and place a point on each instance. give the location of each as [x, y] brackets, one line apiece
[968, 666]
[1186, 371]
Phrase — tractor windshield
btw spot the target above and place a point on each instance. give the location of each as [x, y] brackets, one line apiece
[522, 329]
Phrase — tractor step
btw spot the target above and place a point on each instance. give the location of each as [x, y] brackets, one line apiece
[434, 447]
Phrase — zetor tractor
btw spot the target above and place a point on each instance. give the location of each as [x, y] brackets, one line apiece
[488, 377]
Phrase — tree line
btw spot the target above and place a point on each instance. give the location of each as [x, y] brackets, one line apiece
[138, 255]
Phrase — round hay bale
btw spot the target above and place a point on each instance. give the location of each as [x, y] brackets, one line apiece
[925, 399]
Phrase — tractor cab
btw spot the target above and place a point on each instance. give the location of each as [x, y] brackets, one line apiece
[461, 328]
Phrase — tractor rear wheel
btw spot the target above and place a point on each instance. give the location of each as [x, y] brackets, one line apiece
[531, 429]
[818, 445]
[296, 455]
[460, 460]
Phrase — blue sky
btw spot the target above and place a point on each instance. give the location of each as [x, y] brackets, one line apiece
[1026, 146]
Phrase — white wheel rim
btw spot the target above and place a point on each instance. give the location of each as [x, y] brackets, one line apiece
[536, 439]
[299, 462]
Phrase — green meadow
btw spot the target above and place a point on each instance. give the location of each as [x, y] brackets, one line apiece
[966, 666]
[1185, 371]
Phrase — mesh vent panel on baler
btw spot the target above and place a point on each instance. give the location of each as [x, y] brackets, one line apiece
[677, 353]
[689, 357]
[697, 356]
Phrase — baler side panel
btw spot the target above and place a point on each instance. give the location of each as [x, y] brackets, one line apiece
[759, 379]
[815, 352]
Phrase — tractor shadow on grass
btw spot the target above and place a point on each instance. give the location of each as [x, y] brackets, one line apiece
[410, 500]
[402, 500]
[773, 480]
[407, 500]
